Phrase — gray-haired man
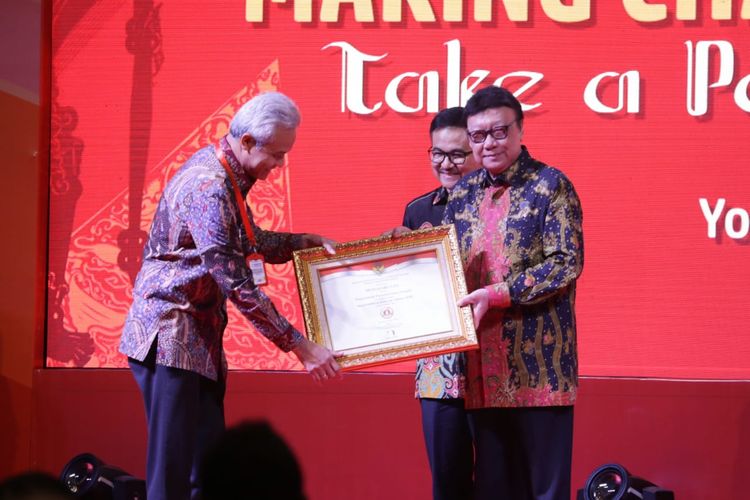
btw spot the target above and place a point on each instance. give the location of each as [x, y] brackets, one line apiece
[202, 249]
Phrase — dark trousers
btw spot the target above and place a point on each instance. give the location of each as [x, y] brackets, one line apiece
[185, 415]
[447, 435]
[523, 453]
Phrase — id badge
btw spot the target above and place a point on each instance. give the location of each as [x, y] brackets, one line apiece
[257, 268]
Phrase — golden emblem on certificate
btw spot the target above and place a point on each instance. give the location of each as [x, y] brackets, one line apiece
[383, 300]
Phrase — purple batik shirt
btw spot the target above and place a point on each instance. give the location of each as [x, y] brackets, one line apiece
[193, 261]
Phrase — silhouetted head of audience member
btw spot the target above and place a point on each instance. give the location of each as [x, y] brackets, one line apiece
[33, 486]
[251, 461]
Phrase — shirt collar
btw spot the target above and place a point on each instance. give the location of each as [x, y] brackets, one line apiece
[441, 196]
[244, 182]
[509, 175]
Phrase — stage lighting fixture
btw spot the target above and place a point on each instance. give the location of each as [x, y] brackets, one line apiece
[88, 478]
[614, 482]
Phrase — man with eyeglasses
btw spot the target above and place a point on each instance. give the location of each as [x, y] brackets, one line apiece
[440, 379]
[519, 226]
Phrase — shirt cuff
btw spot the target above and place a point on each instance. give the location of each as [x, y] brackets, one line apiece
[296, 241]
[499, 294]
[291, 339]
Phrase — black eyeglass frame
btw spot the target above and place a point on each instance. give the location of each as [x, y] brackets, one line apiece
[498, 132]
[457, 161]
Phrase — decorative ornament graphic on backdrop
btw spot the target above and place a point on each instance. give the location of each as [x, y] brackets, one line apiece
[95, 289]
[66, 345]
[143, 41]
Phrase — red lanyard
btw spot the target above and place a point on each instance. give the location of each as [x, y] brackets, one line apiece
[254, 261]
[237, 195]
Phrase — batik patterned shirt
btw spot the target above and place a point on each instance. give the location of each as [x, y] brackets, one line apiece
[437, 377]
[193, 261]
[520, 237]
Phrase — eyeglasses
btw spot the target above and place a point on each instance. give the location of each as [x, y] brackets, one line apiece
[456, 157]
[498, 132]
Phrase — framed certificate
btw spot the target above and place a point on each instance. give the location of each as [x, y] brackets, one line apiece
[383, 300]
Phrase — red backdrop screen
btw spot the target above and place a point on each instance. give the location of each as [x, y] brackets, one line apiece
[644, 106]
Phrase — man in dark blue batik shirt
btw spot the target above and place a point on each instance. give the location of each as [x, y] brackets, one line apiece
[440, 379]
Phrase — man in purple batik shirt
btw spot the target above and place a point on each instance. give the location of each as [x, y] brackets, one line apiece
[194, 259]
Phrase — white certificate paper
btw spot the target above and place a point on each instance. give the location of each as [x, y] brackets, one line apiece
[379, 301]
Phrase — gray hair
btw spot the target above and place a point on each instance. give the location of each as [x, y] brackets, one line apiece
[262, 115]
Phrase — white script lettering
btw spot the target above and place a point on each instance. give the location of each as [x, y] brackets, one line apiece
[457, 90]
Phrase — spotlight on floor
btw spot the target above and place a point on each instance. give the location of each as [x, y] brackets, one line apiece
[614, 482]
[88, 478]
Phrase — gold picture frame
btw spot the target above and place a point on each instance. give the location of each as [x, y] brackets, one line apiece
[386, 299]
